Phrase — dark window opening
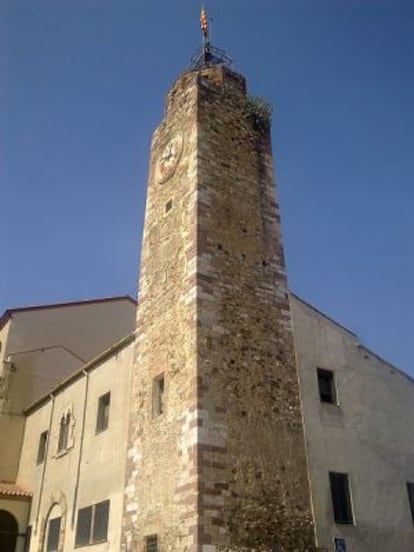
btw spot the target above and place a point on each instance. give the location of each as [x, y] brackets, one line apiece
[326, 383]
[92, 525]
[158, 396]
[410, 490]
[83, 527]
[100, 522]
[41, 451]
[341, 500]
[151, 543]
[64, 432]
[168, 205]
[8, 530]
[53, 535]
[27, 538]
[102, 420]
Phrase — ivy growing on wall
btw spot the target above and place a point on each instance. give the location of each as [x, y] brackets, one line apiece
[259, 111]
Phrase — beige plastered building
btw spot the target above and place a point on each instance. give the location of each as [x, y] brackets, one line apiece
[39, 347]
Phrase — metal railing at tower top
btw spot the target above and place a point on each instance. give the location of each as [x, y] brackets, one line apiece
[208, 55]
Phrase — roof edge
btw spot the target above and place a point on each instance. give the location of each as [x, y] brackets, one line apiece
[11, 490]
[104, 355]
[5, 317]
[323, 314]
[356, 337]
[385, 361]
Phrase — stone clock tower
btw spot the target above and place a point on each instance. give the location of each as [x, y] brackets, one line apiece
[216, 455]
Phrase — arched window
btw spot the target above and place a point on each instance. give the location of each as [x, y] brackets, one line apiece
[53, 525]
[8, 531]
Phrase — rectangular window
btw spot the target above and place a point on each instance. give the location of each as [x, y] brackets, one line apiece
[102, 419]
[100, 522]
[41, 451]
[92, 526]
[410, 490]
[53, 535]
[151, 543]
[64, 432]
[341, 501]
[158, 396]
[83, 528]
[326, 383]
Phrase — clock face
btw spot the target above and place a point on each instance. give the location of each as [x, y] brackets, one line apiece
[168, 159]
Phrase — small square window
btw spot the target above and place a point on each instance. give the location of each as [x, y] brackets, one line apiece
[158, 396]
[102, 419]
[151, 543]
[341, 500]
[410, 490]
[41, 451]
[326, 384]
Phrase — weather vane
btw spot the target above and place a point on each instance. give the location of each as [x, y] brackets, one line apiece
[208, 55]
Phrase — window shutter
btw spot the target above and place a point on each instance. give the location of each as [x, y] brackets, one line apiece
[100, 526]
[83, 529]
[27, 538]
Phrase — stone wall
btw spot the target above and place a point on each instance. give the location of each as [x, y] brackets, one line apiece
[223, 467]
[253, 482]
[161, 480]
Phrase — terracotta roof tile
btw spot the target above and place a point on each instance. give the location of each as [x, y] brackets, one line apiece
[11, 489]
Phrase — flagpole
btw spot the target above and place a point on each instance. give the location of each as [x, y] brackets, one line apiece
[206, 35]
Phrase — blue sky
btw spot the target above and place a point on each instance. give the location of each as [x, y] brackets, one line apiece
[82, 85]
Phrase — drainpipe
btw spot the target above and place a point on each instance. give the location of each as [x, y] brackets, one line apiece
[75, 496]
[42, 479]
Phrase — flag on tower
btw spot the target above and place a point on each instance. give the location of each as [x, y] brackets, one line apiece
[204, 21]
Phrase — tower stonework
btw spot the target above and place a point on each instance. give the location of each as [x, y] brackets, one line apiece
[216, 454]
